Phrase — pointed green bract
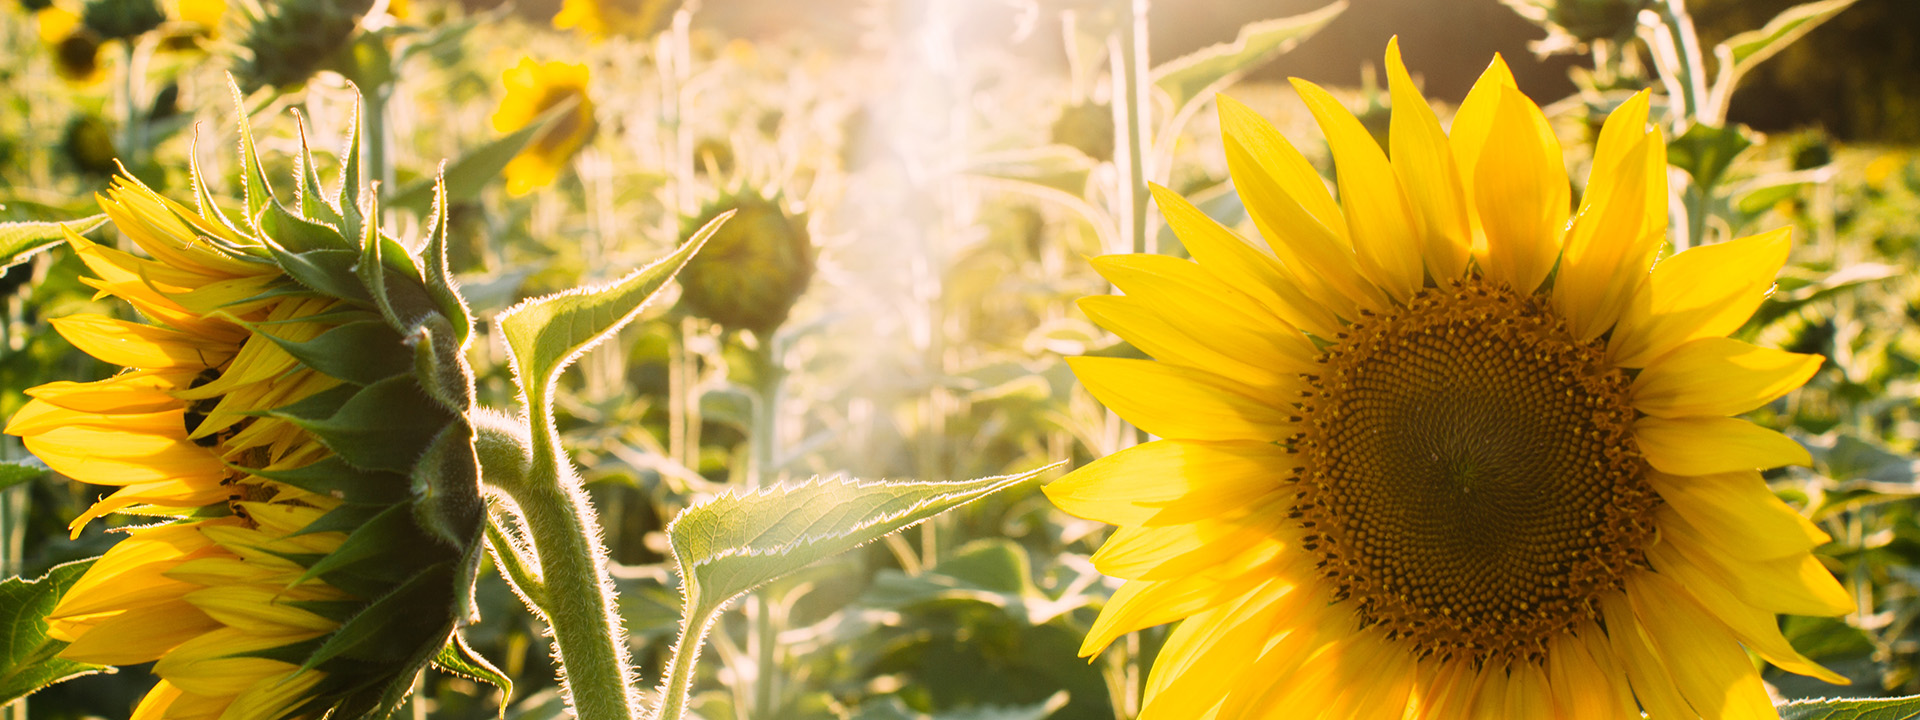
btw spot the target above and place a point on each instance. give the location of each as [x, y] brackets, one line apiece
[1902, 708]
[27, 655]
[459, 659]
[20, 241]
[544, 335]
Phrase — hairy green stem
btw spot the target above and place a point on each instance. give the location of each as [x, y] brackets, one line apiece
[1128, 48]
[589, 642]
[507, 555]
[761, 472]
[378, 142]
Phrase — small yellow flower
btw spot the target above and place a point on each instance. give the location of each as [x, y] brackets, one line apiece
[601, 19]
[1442, 449]
[532, 89]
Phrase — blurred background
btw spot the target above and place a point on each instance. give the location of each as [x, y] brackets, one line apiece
[917, 182]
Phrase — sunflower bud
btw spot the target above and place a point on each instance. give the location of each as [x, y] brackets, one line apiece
[287, 42]
[89, 144]
[1581, 21]
[753, 269]
[121, 19]
[298, 403]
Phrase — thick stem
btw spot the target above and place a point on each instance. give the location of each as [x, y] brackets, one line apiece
[378, 139]
[1130, 106]
[577, 591]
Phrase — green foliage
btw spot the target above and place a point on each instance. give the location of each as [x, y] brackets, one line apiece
[734, 543]
[1906, 708]
[544, 335]
[20, 241]
[467, 175]
[1745, 50]
[1194, 77]
[29, 661]
[15, 472]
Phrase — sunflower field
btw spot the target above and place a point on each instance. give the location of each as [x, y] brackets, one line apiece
[960, 359]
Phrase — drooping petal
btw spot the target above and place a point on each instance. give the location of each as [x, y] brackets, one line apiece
[1796, 584]
[1706, 291]
[1737, 514]
[1719, 376]
[1708, 445]
[1379, 219]
[139, 346]
[1756, 628]
[1640, 661]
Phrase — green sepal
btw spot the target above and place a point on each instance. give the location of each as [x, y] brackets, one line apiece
[253, 179]
[441, 366]
[393, 281]
[336, 610]
[328, 272]
[345, 518]
[380, 632]
[290, 653]
[348, 566]
[446, 487]
[362, 352]
[347, 194]
[382, 427]
[459, 659]
[298, 234]
[333, 477]
[313, 199]
[202, 195]
[439, 278]
[323, 404]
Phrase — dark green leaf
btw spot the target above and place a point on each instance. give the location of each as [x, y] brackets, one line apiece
[1754, 46]
[27, 655]
[15, 472]
[1705, 151]
[1906, 708]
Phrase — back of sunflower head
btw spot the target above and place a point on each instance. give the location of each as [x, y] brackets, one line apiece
[299, 401]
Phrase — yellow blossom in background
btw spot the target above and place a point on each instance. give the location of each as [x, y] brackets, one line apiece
[75, 49]
[533, 88]
[601, 19]
[206, 14]
[1442, 449]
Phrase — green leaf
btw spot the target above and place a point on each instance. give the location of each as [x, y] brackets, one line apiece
[1706, 152]
[1193, 78]
[1753, 47]
[459, 659]
[22, 240]
[15, 472]
[467, 176]
[1058, 167]
[1903, 708]
[382, 427]
[27, 661]
[545, 334]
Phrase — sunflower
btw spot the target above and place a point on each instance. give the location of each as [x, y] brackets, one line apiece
[533, 88]
[1439, 451]
[301, 557]
[75, 47]
[601, 19]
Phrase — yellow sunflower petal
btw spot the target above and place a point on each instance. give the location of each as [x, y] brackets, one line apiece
[153, 706]
[1244, 267]
[1758, 629]
[257, 609]
[1737, 513]
[103, 457]
[1581, 689]
[1205, 657]
[272, 698]
[141, 634]
[1707, 445]
[131, 573]
[135, 392]
[134, 345]
[1640, 661]
[1220, 316]
[1706, 291]
[1719, 376]
[1182, 403]
[1289, 203]
[1133, 486]
[217, 662]
[1605, 251]
[1521, 193]
[1141, 604]
[1706, 664]
[1176, 341]
[1423, 160]
[1380, 221]
[1796, 584]
[1171, 551]
[1472, 123]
